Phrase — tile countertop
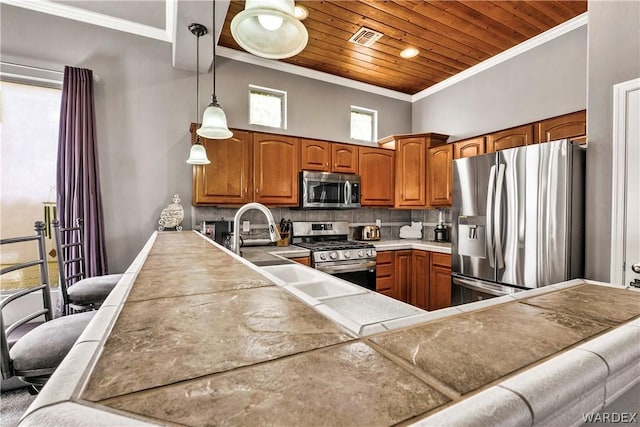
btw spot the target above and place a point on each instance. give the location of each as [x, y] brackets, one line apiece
[219, 343]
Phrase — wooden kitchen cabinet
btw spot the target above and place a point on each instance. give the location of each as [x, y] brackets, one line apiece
[410, 170]
[325, 156]
[410, 173]
[440, 281]
[402, 274]
[514, 137]
[344, 158]
[573, 126]
[376, 166]
[469, 147]
[315, 155]
[418, 291]
[276, 163]
[385, 274]
[440, 175]
[228, 178]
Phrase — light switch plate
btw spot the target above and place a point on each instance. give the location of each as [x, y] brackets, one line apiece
[246, 226]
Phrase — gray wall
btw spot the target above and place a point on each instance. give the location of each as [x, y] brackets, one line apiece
[144, 107]
[614, 57]
[316, 109]
[543, 82]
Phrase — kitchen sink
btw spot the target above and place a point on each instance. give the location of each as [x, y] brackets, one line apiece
[328, 288]
[293, 273]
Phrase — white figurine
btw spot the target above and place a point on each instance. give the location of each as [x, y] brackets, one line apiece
[172, 215]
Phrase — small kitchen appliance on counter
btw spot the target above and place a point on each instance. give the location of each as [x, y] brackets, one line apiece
[441, 233]
[367, 233]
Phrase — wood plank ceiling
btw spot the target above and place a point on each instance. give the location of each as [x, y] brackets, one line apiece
[450, 35]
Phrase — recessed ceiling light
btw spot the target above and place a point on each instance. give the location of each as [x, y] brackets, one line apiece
[300, 12]
[409, 52]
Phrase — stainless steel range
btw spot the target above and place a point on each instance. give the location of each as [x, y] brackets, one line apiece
[333, 253]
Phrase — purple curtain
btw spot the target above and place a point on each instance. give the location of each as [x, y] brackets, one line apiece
[78, 177]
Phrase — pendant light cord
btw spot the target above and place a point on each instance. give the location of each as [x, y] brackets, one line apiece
[197, 84]
[213, 35]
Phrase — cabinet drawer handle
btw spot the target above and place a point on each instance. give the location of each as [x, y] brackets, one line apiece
[257, 190]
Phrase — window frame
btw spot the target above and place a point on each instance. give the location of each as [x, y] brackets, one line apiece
[275, 92]
[374, 122]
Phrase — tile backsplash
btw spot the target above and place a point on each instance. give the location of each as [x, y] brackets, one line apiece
[391, 219]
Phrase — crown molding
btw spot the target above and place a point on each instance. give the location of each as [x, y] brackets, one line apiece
[523, 47]
[242, 56]
[99, 19]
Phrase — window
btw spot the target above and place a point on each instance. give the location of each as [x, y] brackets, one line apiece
[364, 124]
[29, 117]
[267, 107]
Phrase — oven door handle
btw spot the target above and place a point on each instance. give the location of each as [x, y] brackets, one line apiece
[342, 268]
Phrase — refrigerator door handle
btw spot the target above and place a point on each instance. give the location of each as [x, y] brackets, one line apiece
[498, 217]
[489, 236]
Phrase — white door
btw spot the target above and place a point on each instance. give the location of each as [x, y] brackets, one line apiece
[625, 248]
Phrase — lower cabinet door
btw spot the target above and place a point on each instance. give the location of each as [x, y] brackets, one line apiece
[402, 282]
[440, 289]
[419, 289]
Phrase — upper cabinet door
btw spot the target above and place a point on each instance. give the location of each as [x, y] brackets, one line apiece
[572, 126]
[376, 176]
[344, 158]
[440, 175]
[276, 161]
[468, 147]
[515, 137]
[410, 172]
[315, 155]
[227, 179]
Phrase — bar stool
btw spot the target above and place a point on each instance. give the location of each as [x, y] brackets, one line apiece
[79, 293]
[34, 356]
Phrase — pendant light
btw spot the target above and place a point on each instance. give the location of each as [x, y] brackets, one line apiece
[198, 155]
[214, 121]
[270, 29]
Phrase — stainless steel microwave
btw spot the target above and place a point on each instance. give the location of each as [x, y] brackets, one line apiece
[324, 190]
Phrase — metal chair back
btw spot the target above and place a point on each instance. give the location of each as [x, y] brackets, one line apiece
[43, 287]
[71, 260]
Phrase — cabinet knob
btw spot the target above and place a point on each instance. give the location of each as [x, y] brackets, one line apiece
[257, 190]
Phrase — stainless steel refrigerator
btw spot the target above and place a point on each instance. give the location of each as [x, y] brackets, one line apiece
[518, 220]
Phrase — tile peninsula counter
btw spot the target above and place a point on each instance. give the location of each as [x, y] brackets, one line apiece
[194, 335]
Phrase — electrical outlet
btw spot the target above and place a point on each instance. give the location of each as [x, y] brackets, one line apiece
[378, 222]
[246, 226]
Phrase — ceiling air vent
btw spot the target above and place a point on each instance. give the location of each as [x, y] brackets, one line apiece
[365, 37]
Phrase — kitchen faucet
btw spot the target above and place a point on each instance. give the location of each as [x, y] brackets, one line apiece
[273, 231]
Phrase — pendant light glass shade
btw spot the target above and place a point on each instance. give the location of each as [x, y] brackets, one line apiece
[214, 122]
[269, 29]
[198, 155]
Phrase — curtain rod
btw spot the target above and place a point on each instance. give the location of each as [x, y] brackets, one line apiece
[30, 67]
